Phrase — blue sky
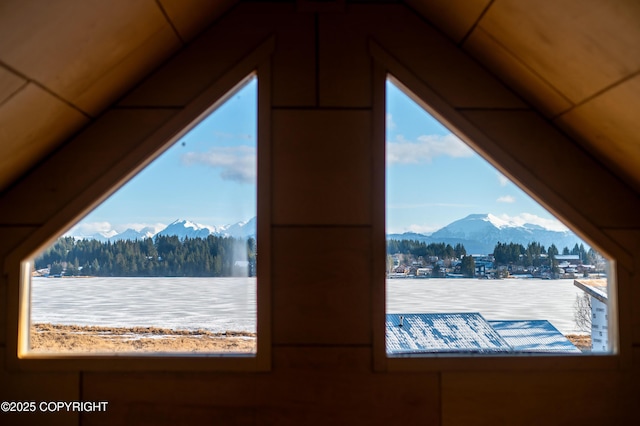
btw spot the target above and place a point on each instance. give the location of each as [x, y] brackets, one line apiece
[433, 178]
[209, 176]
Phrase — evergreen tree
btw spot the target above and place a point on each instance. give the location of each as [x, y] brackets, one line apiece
[468, 266]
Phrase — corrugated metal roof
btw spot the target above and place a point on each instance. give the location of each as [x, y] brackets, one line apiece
[533, 336]
[471, 333]
[431, 333]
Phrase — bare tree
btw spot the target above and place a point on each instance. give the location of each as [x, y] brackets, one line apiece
[582, 312]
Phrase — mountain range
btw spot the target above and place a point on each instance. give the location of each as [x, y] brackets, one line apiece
[479, 234]
[182, 229]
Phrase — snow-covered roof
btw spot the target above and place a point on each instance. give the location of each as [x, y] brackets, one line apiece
[429, 333]
[595, 288]
[533, 336]
[470, 333]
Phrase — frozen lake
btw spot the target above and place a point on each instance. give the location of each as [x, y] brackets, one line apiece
[220, 304]
[509, 299]
[214, 304]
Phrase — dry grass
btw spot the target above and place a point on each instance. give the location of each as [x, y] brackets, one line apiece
[82, 339]
[580, 341]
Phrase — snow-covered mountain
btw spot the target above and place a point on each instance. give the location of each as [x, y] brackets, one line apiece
[240, 230]
[180, 228]
[479, 233]
[187, 229]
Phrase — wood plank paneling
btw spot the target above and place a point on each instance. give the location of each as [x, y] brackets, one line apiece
[610, 128]
[294, 62]
[516, 74]
[528, 398]
[309, 385]
[322, 167]
[454, 17]
[334, 385]
[86, 52]
[9, 84]
[4, 309]
[580, 48]
[58, 182]
[222, 46]
[344, 78]
[11, 238]
[190, 18]
[32, 123]
[321, 290]
[447, 70]
[38, 387]
[546, 153]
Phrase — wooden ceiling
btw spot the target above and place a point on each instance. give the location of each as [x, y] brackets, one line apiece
[63, 62]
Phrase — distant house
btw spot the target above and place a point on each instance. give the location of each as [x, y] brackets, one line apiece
[408, 334]
[567, 257]
[597, 291]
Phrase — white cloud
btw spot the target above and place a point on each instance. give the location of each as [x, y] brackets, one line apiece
[548, 223]
[90, 228]
[87, 229]
[419, 229]
[506, 199]
[236, 163]
[157, 227]
[228, 136]
[390, 123]
[503, 180]
[422, 229]
[426, 148]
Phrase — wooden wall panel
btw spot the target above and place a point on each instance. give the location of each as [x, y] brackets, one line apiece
[344, 78]
[11, 238]
[454, 17]
[86, 53]
[516, 74]
[626, 294]
[21, 135]
[322, 167]
[38, 387]
[534, 398]
[309, 385]
[570, 45]
[60, 180]
[3, 317]
[294, 74]
[321, 290]
[189, 18]
[451, 73]
[326, 385]
[546, 154]
[610, 128]
[225, 44]
[9, 84]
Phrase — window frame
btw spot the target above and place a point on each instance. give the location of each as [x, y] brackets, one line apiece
[256, 64]
[385, 66]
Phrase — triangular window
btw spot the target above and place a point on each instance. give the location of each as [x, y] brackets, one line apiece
[168, 262]
[474, 265]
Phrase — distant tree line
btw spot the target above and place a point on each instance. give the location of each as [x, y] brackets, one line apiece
[160, 256]
[532, 255]
[414, 254]
[420, 248]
